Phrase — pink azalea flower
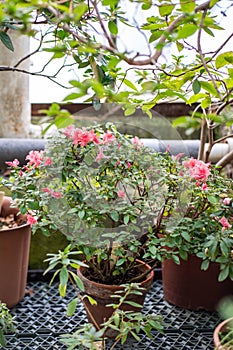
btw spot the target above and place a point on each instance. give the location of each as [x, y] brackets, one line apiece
[100, 155]
[177, 156]
[224, 222]
[35, 158]
[118, 162]
[46, 190]
[136, 141]
[20, 173]
[121, 194]
[13, 164]
[128, 165]
[108, 137]
[48, 161]
[227, 201]
[204, 187]
[76, 136]
[56, 194]
[82, 137]
[68, 131]
[85, 139]
[200, 171]
[190, 163]
[31, 220]
[94, 137]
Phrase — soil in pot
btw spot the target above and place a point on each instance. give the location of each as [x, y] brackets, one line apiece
[102, 293]
[15, 238]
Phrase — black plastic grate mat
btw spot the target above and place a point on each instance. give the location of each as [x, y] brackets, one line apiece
[40, 320]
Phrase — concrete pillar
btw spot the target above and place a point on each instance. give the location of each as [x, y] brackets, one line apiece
[15, 110]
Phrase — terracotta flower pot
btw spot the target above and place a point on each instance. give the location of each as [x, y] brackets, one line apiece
[221, 328]
[14, 256]
[102, 295]
[189, 287]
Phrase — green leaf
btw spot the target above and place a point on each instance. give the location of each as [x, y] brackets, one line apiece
[146, 6]
[78, 281]
[212, 199]
[132, 303]
[205, 265]
[224, 59]
[74, 95]
[63, 121]
[186, 30]
[213, 2]
[114, 215]
[81, 214]
[186, 236]
[206, 102]
[79, 9]
[179, 46]
[63, 276]
[187, 5]
[129, 111]
[6, 40]
[62, 290]
[116, 319]
[224, 248]
[223, 274]
[72, 307]
[129, 84]
[196, 98]
[196, 86]
[113, 27]
[120, 262]
[166, 9]
[91, 300]
[176, 259]
[209, 88]
[2, 338]
[181, 121]
[126, 219]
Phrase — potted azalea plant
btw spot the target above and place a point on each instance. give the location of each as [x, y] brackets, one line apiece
[100, 189]
[121, 204]
[203, 240]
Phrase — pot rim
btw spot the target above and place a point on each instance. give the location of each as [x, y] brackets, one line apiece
[110, 286]
[219, 327]
[14, 228]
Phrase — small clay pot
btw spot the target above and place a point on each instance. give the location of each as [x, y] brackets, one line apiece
[221, 328]
[102, 293]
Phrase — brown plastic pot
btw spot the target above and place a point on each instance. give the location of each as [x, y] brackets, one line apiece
[221, 328]
[102, 293]
[14, 256]
[189, 287]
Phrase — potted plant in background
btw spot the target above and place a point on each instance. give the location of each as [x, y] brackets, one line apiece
[118, 201]
[15, 235]
[202, 273]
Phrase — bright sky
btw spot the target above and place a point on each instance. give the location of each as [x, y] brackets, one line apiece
[43, 90]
